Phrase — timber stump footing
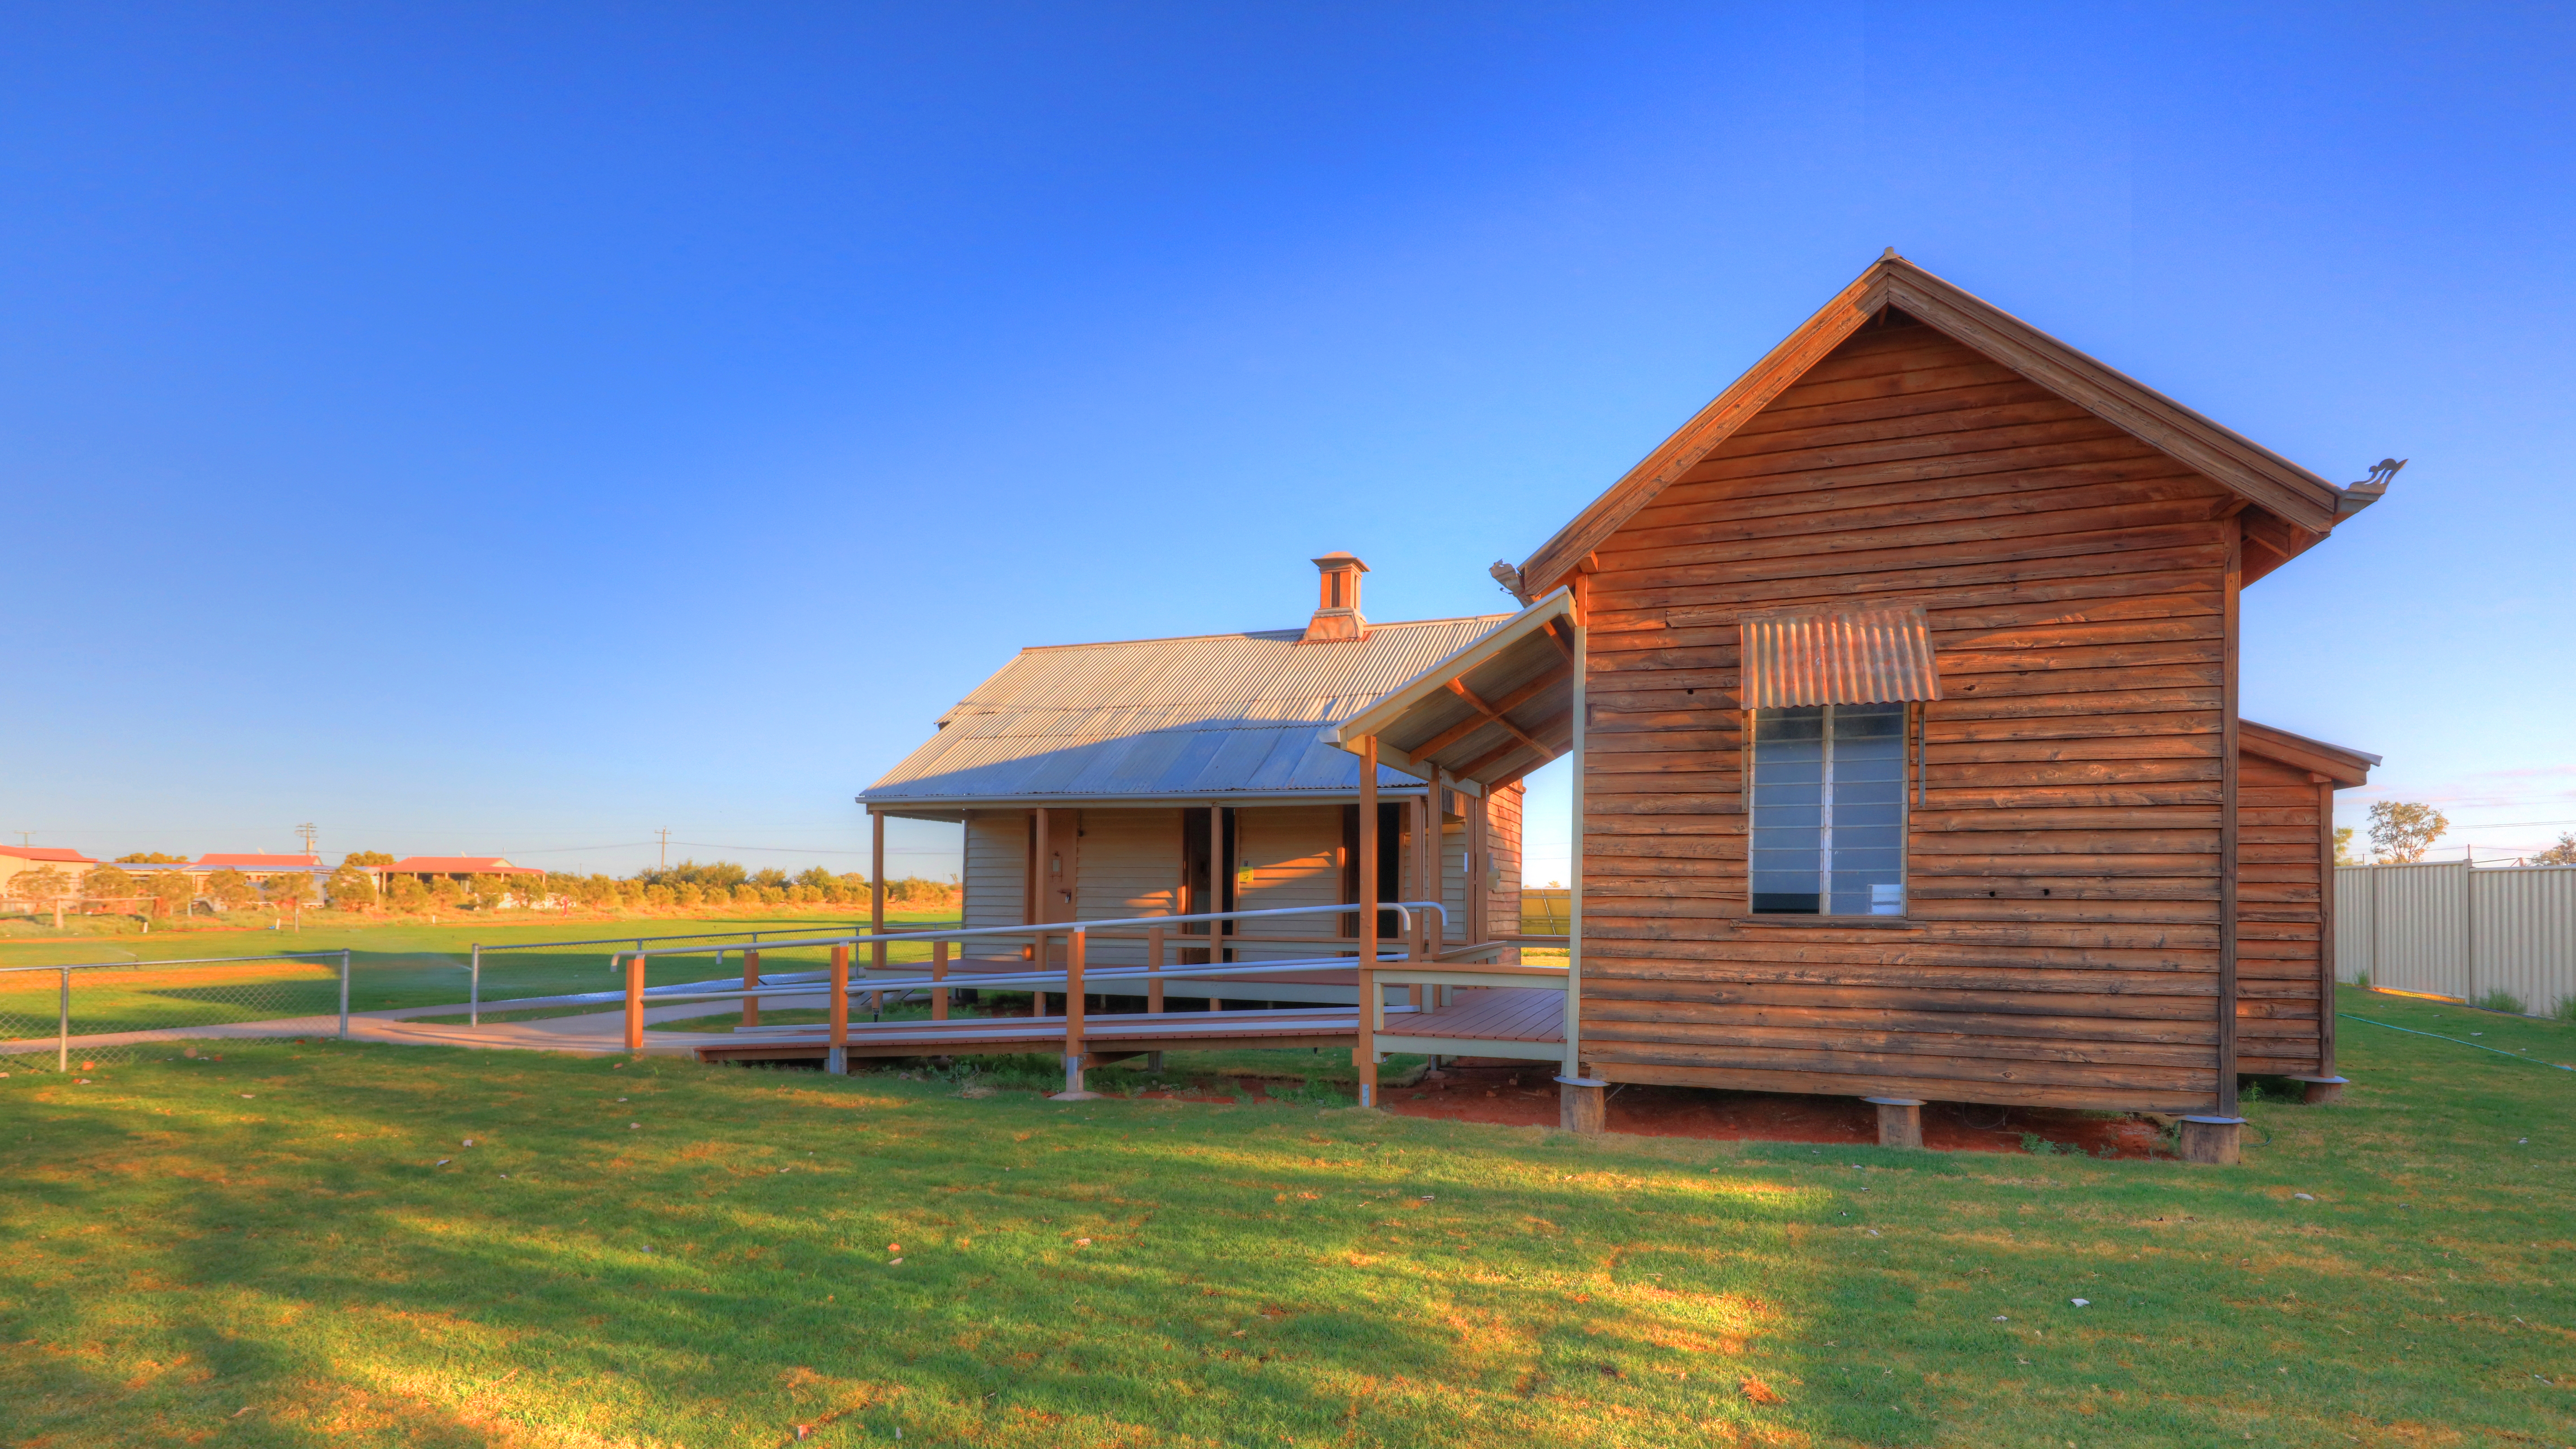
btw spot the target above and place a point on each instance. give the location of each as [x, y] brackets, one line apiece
[2211, 1140]
[1900, 1121]
[2320, 1090]
[1584, 1104]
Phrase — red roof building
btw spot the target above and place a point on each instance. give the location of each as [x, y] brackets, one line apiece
[46, 854]
[429, 865]
[212, 861]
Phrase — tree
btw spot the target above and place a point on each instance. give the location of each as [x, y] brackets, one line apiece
[2563, 853]
[107, 883]
[151, 857]
[2402, 832]
[2343, 846]
[288, 888]
[406, 894]
[229, 887]
[173, 891]
[488, 891]
[350, 889]
[367, 857]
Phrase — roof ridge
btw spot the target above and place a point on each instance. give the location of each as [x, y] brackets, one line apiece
[1297, 631]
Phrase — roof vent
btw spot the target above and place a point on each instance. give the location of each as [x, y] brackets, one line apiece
[1337, 608]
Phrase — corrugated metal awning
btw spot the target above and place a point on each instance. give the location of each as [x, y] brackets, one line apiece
[1837, 656]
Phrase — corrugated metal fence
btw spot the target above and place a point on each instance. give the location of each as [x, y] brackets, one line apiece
[2457, 930]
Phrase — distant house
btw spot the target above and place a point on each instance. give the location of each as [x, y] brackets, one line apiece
[257, 867]
[1180, 776]
[17, 859]
[426, 868]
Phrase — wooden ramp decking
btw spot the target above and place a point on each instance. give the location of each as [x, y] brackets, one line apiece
[1496, 1021]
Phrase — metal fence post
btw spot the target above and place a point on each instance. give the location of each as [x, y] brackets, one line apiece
[474, 989]
[63, 1036]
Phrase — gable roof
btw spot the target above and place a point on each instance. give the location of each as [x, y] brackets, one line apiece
[2298, 498]
[2345, 766]
[457, 865]
[55, 854]
[1194, 718]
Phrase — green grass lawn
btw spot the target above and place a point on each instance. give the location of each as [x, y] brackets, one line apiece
[265, 1250]
[393, 964]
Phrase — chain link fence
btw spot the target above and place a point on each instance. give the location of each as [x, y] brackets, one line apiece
[78, 1017]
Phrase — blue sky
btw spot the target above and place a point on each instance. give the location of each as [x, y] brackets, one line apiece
[517, 429]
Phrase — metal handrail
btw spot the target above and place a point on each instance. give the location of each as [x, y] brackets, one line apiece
[613, 940]
[1403, 909]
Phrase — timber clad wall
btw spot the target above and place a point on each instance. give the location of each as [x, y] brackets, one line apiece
[2280, 854]
[1289, 856]
[1130, 866]
[997, 864]
[2062, 937]
[1503, 900]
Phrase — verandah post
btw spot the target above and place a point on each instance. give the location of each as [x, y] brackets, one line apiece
[1364, 1053]
[837, 1059]
[635, 1003]
[1074, 1047]
[1154, 969]
[939, 972]
[751, 988]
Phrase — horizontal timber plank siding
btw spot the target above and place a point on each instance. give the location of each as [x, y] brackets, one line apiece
[2062, 931]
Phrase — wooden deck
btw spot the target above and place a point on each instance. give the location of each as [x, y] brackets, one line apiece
[1503, 1016]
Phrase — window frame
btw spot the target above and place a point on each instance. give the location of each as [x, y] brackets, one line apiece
[1909, 782]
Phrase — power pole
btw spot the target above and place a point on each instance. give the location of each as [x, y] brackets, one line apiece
[306, 830]
[26, 837]
[665, 833]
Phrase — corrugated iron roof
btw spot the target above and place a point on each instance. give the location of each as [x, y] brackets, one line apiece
[1210, 715]
[1837, 656]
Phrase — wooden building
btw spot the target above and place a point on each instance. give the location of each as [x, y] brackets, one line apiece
[1180, 776]
[1904, 685]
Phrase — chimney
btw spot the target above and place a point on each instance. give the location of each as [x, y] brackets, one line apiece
[1337, 609]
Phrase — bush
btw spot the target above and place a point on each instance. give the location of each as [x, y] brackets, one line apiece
[2565, 1010]
[657, 897]
[287, 888]
[686, 894]
[406, 894]
[2504, 1001]
[230, 888]
[351, 890]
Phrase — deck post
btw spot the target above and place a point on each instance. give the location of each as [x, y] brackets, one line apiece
[635, 1002]
[939, 972]
[1364, 1055]
[1900, 1121]
[1154, 970]
[1073, 1044]
[751, 988]
[1584, 1101]
[837, 1060]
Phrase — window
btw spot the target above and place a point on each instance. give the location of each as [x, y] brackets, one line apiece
[1829, 810]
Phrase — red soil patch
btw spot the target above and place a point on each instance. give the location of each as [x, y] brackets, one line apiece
[1525, 1095]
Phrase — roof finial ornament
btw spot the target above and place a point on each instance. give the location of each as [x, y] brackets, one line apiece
[2358, 496]
[1888, 255]
[1509, 578]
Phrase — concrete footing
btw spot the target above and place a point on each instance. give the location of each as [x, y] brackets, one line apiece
[836, 1061]
[1584, 1104]
[1900, 1121]
[2211, 1140]
[1073, 1089]
[2320, 1090]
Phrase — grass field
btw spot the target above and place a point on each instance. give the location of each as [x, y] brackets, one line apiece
[267, 1250]
[393, 964]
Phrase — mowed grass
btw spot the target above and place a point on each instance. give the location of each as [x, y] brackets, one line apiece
[264, 1250]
